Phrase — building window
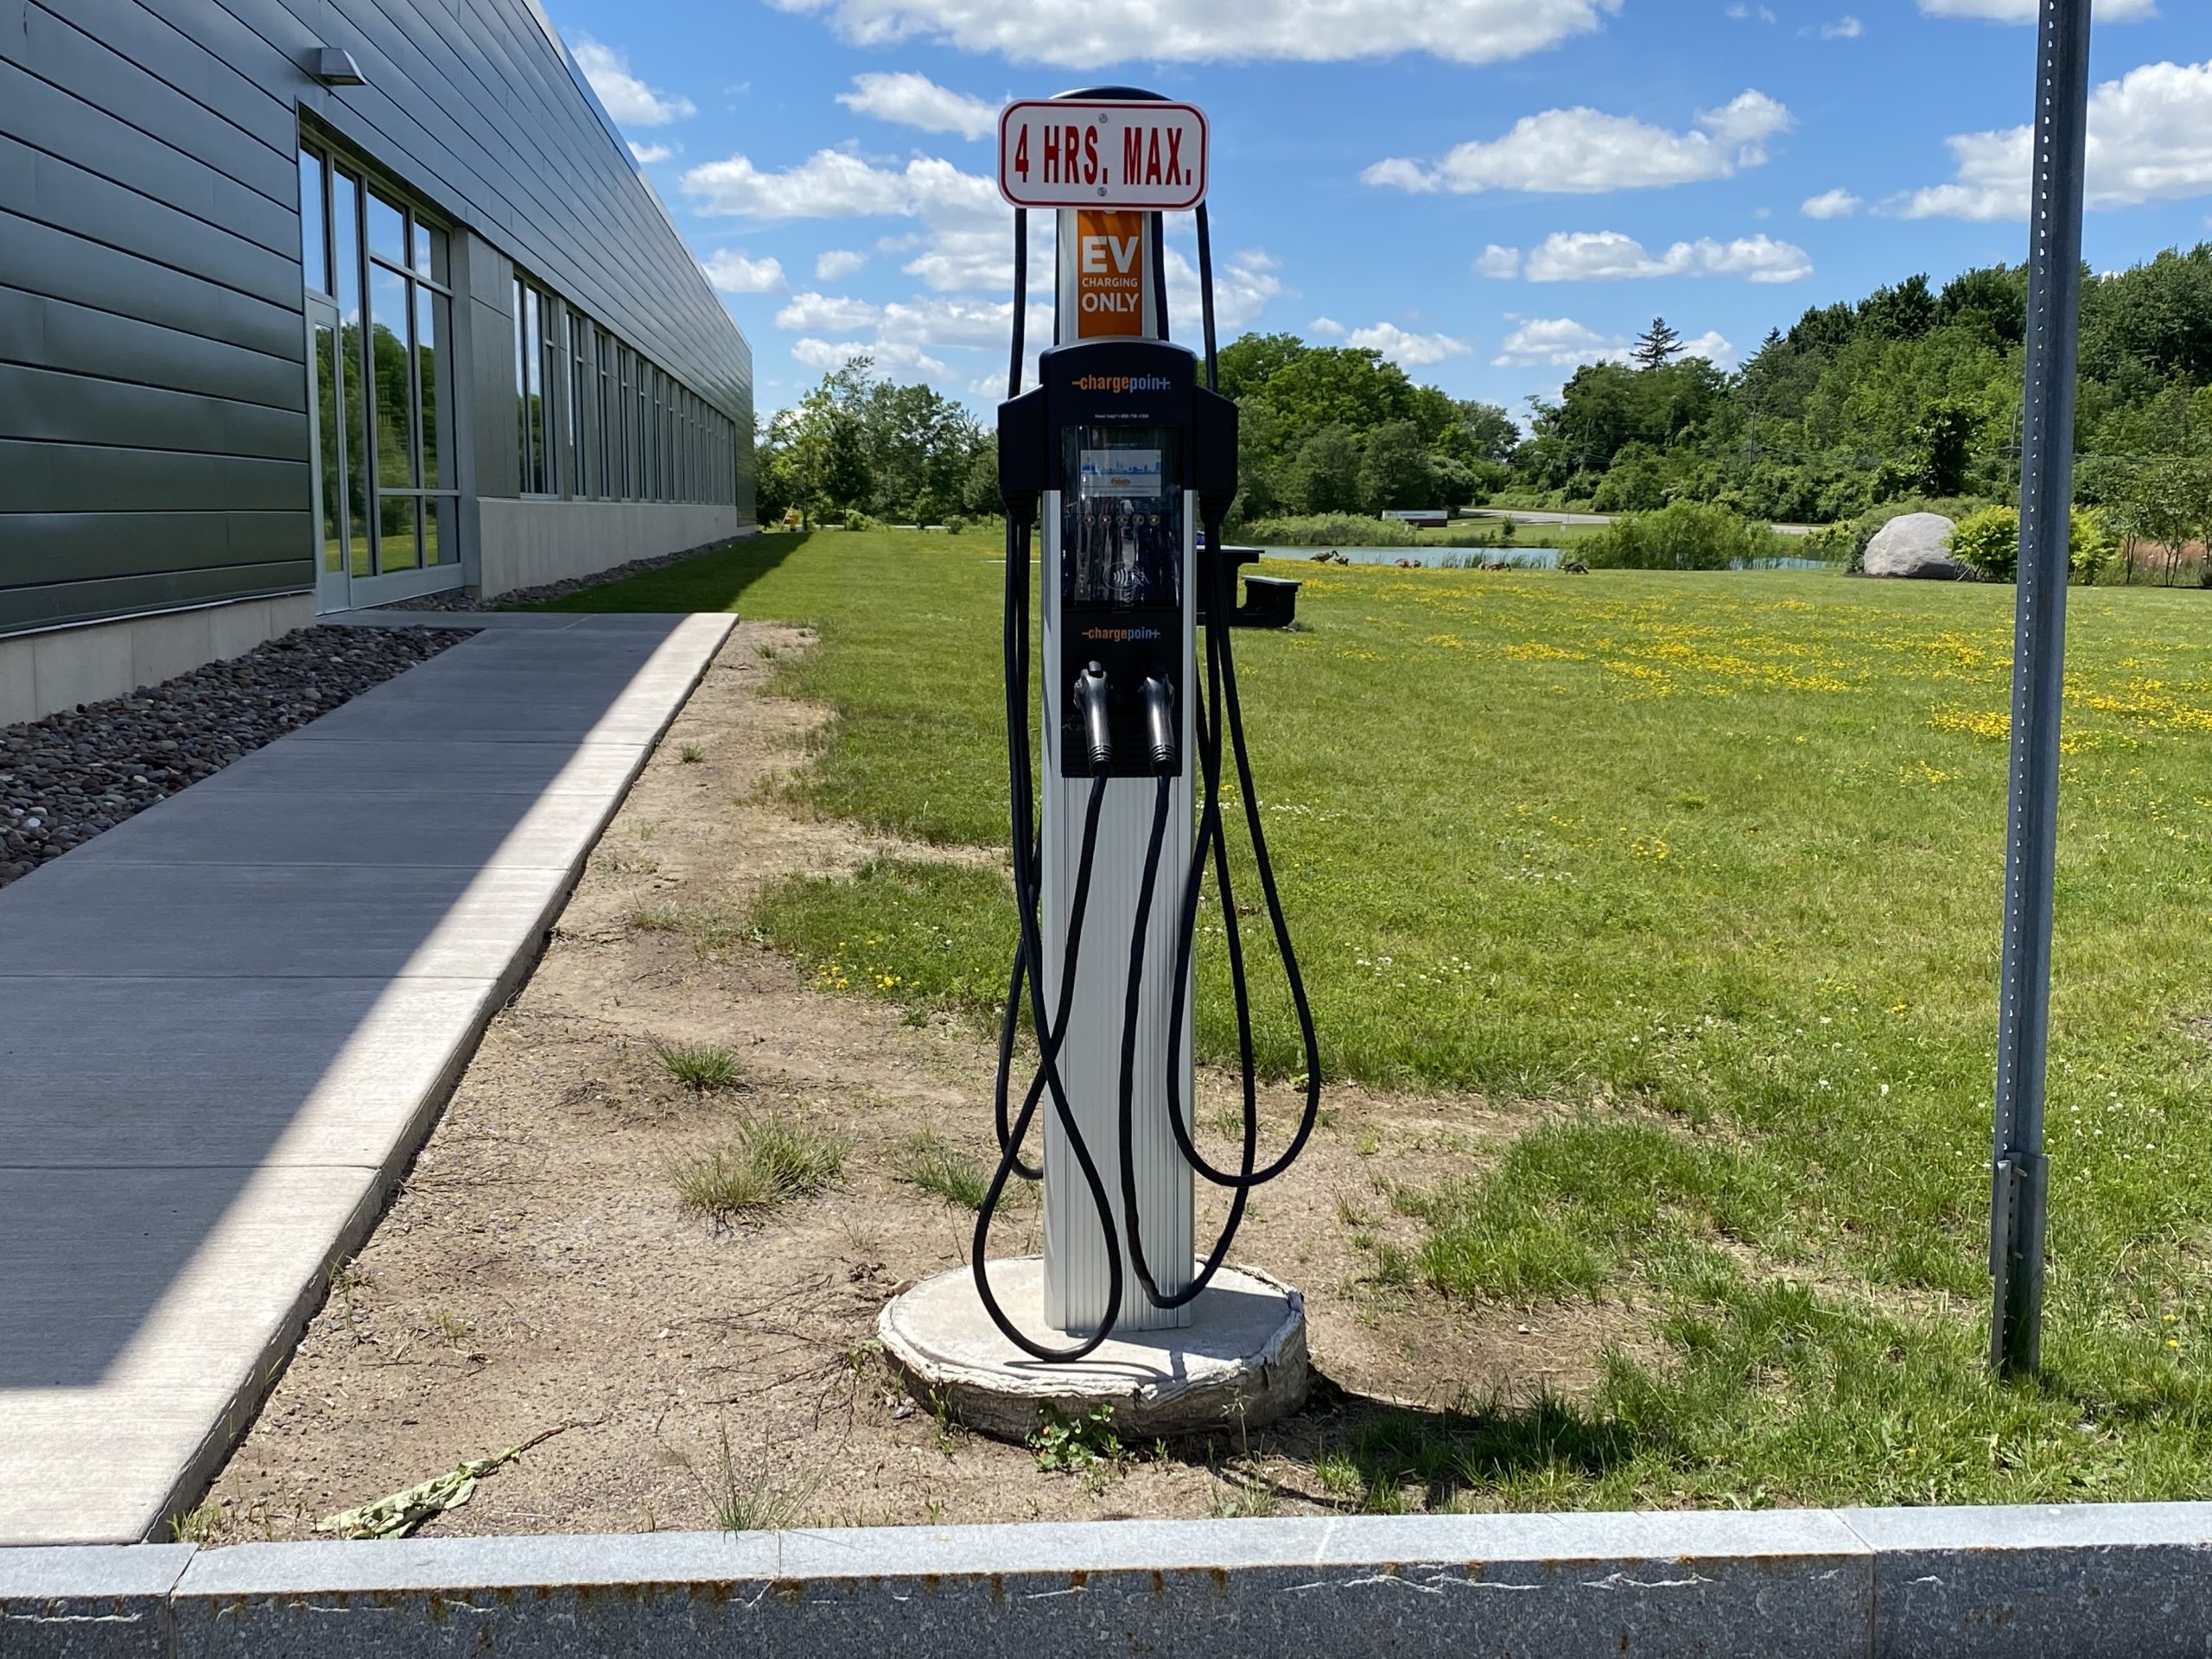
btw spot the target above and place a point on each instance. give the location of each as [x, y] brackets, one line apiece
[537, 374]
[388, 503]
[579, 402]
[608, 411]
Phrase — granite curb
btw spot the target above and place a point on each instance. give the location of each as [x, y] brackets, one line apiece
[2090, 1579]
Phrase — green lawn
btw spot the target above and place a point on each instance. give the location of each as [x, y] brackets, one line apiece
[1717, 860]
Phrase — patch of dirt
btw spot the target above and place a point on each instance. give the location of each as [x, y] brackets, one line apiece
[536, 1268]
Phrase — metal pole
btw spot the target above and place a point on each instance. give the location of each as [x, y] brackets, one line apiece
[2019, 1176]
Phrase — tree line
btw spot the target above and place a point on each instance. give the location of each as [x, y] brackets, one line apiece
[1912, 392]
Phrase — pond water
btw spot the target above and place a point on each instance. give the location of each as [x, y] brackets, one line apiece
[1469, 558]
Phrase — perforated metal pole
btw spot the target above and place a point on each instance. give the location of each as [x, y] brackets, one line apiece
[2019, 1176]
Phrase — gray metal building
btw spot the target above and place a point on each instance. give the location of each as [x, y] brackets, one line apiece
[312, 304]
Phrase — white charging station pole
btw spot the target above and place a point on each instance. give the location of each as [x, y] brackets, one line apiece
[1109, 266]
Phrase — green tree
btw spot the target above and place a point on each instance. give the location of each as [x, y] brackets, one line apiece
[1325, 476]
[1657, 347]
[1944, 437]
[1395, 470]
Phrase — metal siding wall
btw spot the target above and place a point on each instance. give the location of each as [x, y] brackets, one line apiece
[153, 438]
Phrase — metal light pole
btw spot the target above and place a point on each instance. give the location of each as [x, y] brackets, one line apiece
[2019, 1175]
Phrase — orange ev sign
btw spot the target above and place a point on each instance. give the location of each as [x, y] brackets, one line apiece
[1109, 273]
[1104, 153]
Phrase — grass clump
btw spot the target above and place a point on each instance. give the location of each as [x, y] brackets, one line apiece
[771, 1161]
[1685, 535]
[1331, 529]
[1573, 1201]
[698, 1066]
[935, 1167]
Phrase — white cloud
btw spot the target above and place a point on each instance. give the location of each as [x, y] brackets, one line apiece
[1713, 347]
[2149, 139]
[628, 100]
[1409, 350]
[1744, 14]
[1557, 342]
[829, 184]
[1609, 256]
[821, 313]
[1327, 327]
[1309, 31]
[1242, 285]
[646, 154]
[895, 361]
[1831, 204]
[1584, 150]
[2024, 11]
[1563, 343]
[834, 264]
[915, 100]
[1845, 27]
[1501, 264]
[734, 273]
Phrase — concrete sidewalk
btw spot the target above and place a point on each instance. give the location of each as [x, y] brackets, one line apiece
[226, 1024]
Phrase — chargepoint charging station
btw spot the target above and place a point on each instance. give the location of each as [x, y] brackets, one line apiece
[1117, 469]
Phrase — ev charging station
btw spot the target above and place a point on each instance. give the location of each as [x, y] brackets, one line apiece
[1118, 468]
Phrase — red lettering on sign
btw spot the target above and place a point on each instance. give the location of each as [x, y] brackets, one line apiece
[1132, 153]
[1152, 159]
[1021, 153]
[1074, 149]
[1052, 155]
[1091, 156]
[1174, 154]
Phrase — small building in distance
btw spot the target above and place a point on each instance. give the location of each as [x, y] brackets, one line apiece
[1421, 518]
[307, 308]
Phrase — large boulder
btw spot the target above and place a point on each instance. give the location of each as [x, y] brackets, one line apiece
[1917, 544]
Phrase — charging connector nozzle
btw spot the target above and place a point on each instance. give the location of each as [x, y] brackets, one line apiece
[1091, 703]
[1159, 723]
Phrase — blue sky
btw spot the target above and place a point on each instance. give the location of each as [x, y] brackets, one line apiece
[1488, 190]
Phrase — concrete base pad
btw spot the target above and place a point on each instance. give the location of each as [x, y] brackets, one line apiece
[1240, 1362]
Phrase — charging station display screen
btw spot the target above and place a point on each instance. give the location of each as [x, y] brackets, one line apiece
[1121, 519]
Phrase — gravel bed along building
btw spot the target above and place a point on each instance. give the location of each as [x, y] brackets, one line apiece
[65, 777]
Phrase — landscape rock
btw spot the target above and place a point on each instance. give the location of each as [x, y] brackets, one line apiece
[1916, 546]
[65, 777]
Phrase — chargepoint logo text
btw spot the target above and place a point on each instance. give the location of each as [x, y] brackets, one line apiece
[1122, 384]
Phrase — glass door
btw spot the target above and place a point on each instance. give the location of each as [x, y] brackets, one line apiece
[334, 534]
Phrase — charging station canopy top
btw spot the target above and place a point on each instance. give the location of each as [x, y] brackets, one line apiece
[1076, 152]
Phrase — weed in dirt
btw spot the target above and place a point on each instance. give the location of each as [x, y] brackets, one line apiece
[197, 1526]
[929, 1164]
[1251, 1499]
[710, 930]
[452, 1329]
[753, 1502]
[1338, 1475]
[766, 651]
[692, 754]
[1076, 1445]
[698, 1066]
[770, 1162]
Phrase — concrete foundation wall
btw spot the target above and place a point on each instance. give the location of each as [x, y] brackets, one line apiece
[2122, 1580]
[42, 672]
[527, 543]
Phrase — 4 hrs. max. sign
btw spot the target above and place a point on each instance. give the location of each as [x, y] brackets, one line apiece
[1103, 153]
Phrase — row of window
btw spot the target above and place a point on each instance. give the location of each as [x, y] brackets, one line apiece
[380, 314]
[596, 420]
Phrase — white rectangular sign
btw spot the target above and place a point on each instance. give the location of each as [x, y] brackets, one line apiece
[1103, 153]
